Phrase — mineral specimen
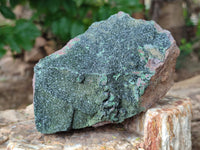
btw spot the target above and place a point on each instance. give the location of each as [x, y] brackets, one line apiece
[116, 69]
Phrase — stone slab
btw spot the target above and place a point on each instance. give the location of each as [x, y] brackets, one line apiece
[164, 126]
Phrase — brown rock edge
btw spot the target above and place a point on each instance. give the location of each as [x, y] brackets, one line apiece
[163, 80]
[166, 125]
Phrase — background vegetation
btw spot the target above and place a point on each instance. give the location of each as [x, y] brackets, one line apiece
[64, 19]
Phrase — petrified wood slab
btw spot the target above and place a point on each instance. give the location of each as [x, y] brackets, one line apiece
[191, 88]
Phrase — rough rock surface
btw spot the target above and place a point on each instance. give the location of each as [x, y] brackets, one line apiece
[164, 126]
[116, 69]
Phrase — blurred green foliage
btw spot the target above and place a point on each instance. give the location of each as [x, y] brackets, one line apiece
[198, 36]
[185, 50]
[188, 21]
[198, 30]
[20, 36]
[186, 46]
[64, 18]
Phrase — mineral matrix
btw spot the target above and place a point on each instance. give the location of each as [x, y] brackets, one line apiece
[99, 76]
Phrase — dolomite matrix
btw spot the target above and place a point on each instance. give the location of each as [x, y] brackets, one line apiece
[116, 69]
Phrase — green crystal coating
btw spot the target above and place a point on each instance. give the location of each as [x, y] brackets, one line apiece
[98, 76]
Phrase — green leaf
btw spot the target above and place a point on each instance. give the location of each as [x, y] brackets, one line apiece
[185, 47]
[7, 12]
[138, 8]
[55, 27]
[25, 33]
[2, 50]
[26, 29]
[198, 29]
[13, 45]
[3, 2]
[87, 21]
[61, 28]
[13, 3]
[183, 41]
[19, 37]
[96, 3]
[83, 11]
[76, 29]
[79, 2]
[52, 5]
[104, 12]
[23, 43]
[4, 31]
[70, 7]
[64, 25]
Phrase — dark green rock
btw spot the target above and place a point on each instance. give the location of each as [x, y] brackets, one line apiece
[98, 76]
